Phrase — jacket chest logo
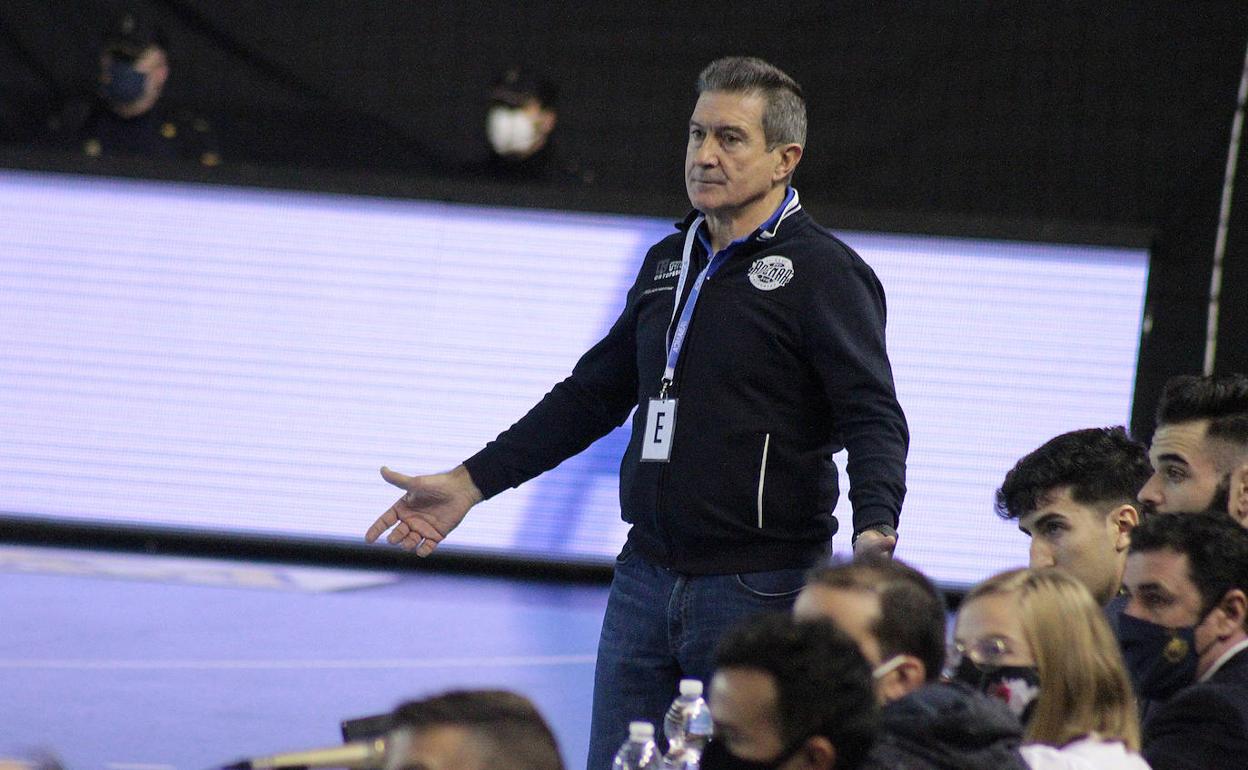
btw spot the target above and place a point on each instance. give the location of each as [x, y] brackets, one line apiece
[771, 272]
[667, 269]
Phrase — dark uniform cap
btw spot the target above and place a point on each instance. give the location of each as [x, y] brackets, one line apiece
[515, 87]
[131, 34]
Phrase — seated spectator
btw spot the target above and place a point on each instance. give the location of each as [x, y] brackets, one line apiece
[1184, 635]
[520, 128]
[898, 620]
[1038, 641]
[1200, 448]
[792, 694]
[471, 730]
[128, 116]
[1075, 498]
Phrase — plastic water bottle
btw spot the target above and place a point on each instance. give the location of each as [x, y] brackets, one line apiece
[687, 727]
[639, 751]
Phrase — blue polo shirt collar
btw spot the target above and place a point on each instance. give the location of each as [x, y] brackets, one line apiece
[766, 231]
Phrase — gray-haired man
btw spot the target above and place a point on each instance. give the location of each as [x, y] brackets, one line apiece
[752, 348]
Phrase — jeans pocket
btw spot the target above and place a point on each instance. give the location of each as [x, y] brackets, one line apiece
[773, 584]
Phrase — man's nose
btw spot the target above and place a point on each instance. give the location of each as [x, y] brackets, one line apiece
[707, 153]
[1040, 555]
[1150, 493]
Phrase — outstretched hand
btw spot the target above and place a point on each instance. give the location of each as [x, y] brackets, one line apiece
[431, 507]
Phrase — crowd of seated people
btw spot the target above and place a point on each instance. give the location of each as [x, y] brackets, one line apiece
[1122, 646]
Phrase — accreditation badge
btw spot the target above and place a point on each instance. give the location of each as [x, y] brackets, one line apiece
[656, 444]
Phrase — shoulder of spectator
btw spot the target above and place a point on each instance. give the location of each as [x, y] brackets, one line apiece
[1200, 709]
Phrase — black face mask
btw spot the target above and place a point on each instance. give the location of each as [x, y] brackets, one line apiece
[125, 84]
[1161, 660]
[716, 756]
[1015, 686]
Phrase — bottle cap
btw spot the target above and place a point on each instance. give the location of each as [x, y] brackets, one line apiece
[691, 688]
[640, 731]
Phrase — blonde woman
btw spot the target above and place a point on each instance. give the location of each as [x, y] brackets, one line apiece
[1038, 641]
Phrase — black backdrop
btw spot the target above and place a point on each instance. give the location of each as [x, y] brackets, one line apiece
[1061, 114]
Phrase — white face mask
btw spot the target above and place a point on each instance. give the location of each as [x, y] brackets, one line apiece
[887, 667]
[510, 131]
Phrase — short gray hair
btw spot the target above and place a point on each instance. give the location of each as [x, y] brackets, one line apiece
[784, 116]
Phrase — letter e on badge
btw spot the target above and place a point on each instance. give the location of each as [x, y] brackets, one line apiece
[656, 445]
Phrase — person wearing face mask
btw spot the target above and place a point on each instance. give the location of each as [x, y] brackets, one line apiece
[127, 116]
[792, 695]
[1184, 635]
[1037, 640]
[897, 618]
[519, 128]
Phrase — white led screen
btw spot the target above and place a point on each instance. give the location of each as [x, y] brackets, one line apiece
[243, 361]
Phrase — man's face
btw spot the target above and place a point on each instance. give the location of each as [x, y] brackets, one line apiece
[518, 131]
[1088, 543]
[152, 64]
[728, 166]
[440, 747]
[1185, 476]
[744, 705]
[854, 612]
[1162, 592]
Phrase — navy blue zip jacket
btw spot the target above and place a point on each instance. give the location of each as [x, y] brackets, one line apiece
[784, 363]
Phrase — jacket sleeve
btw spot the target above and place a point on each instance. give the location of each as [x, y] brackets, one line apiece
[845, 343]
[594, 399]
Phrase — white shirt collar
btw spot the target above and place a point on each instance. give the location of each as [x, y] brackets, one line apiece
[1217, 664]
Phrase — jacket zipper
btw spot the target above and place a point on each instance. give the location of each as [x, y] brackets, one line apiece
[762, 477]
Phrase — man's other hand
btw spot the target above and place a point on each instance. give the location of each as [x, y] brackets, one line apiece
[430, 508]
[872, 544]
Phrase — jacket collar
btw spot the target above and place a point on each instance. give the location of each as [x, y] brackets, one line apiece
[1234, 653]
[770, 227]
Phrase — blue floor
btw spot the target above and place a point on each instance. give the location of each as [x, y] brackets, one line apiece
[146, 675]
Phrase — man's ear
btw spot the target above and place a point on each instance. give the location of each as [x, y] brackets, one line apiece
[1234, 606]
[1237, 501]
[546, 120]
[1122, 520]
[910, 675]
[160, 73]
[789, 156]
[818, 753]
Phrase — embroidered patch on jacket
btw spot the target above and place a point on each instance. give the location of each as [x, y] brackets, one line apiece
[667, 269]
[771, 272]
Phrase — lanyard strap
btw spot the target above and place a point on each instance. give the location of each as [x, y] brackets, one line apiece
[676, 337]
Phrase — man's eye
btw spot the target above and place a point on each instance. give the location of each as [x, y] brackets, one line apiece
[1050, 529]
[1174, 473]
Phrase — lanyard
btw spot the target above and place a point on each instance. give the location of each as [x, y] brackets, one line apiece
[676, 337]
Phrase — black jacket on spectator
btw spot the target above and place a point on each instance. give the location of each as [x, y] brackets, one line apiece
[546, 166]
[946, 727]
[1204, 726]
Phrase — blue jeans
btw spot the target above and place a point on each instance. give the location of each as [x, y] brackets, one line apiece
[661, 627]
